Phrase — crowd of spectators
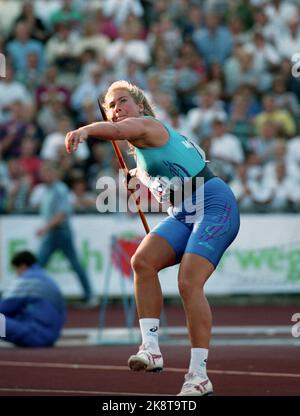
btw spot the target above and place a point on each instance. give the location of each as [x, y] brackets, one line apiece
[218, 71]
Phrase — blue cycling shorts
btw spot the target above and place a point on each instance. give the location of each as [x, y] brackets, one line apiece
[206, 225]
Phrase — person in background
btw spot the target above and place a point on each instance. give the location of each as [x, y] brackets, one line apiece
[33, 307]
[56, 232]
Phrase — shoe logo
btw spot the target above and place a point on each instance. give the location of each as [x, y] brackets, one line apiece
[154, 329]
[155, 357]
[202, 386]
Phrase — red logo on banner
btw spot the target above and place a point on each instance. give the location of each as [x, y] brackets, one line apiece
[122, 251]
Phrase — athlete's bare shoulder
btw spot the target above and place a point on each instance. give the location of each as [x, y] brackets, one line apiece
[156, 134]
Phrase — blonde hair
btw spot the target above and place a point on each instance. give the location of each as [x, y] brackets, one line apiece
[136, 93]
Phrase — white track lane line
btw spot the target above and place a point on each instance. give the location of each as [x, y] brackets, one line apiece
[76, 392]
[124, 368]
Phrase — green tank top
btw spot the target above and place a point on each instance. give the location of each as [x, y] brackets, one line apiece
[179, 157]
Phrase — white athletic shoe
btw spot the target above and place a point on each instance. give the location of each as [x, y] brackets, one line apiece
[146, 360]
[194, 385]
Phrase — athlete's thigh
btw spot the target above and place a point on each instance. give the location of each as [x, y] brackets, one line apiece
[194, 270]
[211, 237]
[166, 242]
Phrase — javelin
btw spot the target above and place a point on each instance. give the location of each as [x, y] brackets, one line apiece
[123, 166]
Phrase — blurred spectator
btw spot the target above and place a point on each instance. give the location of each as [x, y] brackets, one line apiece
[226, 150]
[245, 70]
[280, 191]
[90, 38]
[264, 54]
[45, 9]
[244, 10]
[231, 69]
[68, 165]
[189, 57]
[180, 123]
[19, 47]
[260, 194]
[3, 41]
[13, 130]
[281, 117]
[237, 30]
[87, 59]
[240, 121]
[105, 25]
[82, 200]
[165, 71]
[36, 196]
[128, 47]
[193, 21]
[264, 25]
[37, 28]
[61, 47]
[264, 145]
[254, 166]
[9, 12]
[4, 182]
[284, 99]
[153, 93]
[33, 305]
[209, 108]
[50, 112]
[90, 89]
[206, 147]
[66, 14]
[51, 87]
[287, 41]
[214, 41]
[164, 104]
[280, 12]
[34, 74]
[166, 35]
[293, 157]
[56, 139]
[11, 90]
[135, 75]
[119, 10]
[241, 186]
[249, 96]
[29, 160]
[56, 232]
[216, 6]
[280, 156]
[18, 189]
[155, 10]
[292, 83]
[215, 81]
[190, 73]
[89, 113]
[100, 163]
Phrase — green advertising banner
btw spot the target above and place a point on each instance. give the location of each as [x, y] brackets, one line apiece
[264, 258]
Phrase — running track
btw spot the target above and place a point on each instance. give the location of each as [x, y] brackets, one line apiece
[253, 353]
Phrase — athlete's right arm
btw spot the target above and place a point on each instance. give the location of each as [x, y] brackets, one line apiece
[104, 130]
[133, 129]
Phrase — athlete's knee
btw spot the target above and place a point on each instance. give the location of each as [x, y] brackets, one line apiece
[187, 285]
[185, 288]
[140, 262]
